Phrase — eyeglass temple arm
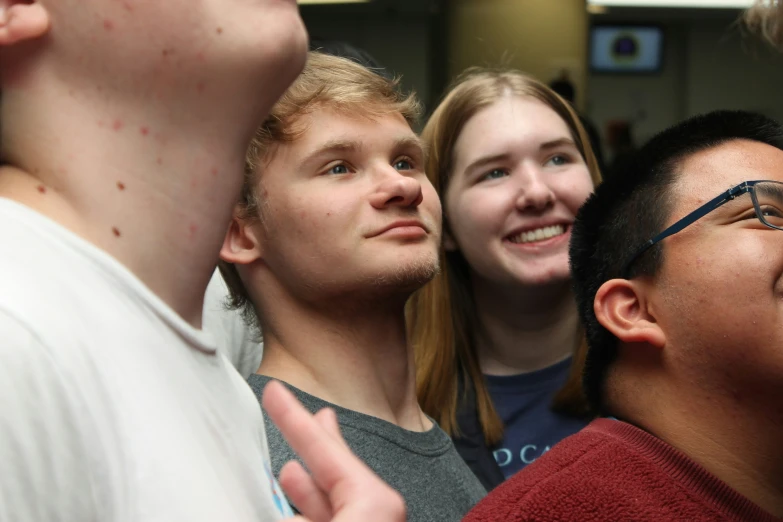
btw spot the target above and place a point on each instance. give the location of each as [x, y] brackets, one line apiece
[687, 220]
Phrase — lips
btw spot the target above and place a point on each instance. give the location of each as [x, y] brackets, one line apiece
[537, 234]
[403, 224]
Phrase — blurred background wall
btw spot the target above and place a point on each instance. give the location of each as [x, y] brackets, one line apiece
[706, 62]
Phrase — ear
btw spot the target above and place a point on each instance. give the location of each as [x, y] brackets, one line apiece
[622, 307]
[243, 242]
[21, 21]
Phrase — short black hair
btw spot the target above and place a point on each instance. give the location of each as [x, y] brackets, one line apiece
[633, 205]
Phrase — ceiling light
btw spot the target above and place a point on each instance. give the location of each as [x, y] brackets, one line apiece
[707, 4]
[304, 2]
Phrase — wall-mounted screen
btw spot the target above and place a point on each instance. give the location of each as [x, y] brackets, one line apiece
[626, 49]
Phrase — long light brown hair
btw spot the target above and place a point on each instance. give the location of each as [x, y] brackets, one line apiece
[441, 316]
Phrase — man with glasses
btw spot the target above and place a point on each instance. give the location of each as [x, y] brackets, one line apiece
[678, 270]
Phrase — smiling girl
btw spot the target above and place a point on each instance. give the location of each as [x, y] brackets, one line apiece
[498, 341]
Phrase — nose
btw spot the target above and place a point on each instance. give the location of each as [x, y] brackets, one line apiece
[533, 191]
[396, 190]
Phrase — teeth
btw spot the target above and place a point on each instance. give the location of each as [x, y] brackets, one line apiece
[538, 234]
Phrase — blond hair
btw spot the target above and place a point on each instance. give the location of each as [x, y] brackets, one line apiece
[442, 316]
[766, 19]
[326, 81]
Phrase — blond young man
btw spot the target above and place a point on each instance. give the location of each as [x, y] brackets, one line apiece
[337, 227]
[124, 126]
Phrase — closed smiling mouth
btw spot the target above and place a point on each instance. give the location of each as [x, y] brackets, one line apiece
[537, 234]
[411, 224]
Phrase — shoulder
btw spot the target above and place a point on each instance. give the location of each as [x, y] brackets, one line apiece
[568, 479]
[241, 344]
[44, 447]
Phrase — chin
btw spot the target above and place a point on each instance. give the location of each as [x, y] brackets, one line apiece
[408, 277]
[279, 42]
[553, 278]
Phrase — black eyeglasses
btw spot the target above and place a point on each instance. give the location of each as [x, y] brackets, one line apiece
[767, 199]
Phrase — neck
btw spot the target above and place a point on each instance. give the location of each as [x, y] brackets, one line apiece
[520, 332]
[745, 453]
[353, 354]
[153, 188]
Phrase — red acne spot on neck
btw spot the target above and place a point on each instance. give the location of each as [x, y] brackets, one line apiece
[200, 87]
[200, 56]
[41, 189]
[193, 228]
[128, 7]
[144, 130]
[160, 161]
[116, 231]
[214, 171]
[117, 125]
[108, 25]
[121, 185]
[219, 30]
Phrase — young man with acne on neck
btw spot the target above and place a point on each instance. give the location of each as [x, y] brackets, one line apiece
[337, 226]
[124, 129]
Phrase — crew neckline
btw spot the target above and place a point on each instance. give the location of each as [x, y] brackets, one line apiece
[432, 442]
[113, 270]
[536, 379]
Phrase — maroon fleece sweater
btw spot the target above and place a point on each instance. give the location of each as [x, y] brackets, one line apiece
[613, 471]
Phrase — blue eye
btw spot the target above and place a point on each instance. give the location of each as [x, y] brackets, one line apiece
[494, 174]
[558, 160]
[338, 169]
[403, 165]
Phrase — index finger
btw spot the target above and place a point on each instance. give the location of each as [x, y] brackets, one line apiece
[328, 459]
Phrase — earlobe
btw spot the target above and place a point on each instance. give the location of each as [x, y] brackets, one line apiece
[621, 307]
[243, 242]
[22, 21]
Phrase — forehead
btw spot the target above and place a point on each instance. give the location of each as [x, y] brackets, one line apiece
[707, 173]
[512, 121]
[324, 125]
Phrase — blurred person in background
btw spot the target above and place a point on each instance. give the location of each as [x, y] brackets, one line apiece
[564, 86]
[499, 345]
[765, 18]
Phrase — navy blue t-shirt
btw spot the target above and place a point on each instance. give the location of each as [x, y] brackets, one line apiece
[524, 403]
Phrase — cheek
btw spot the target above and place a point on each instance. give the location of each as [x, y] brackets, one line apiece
[473, 218]
[574, 189]
[431, 203]
[303, 219]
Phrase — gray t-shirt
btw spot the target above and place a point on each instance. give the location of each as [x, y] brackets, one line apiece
[424, 467]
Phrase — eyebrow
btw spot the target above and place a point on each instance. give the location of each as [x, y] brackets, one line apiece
[495, 158]
[353, 146]
[332, 146]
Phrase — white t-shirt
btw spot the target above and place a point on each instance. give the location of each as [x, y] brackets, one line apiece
[113, 408]
[237, 340]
